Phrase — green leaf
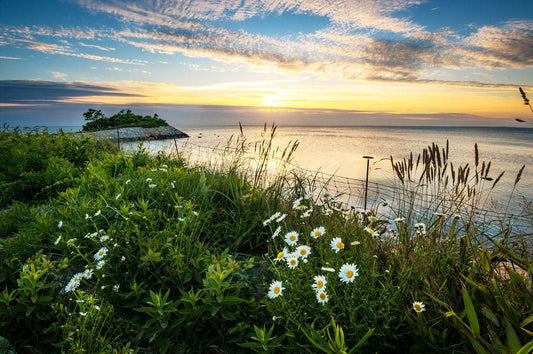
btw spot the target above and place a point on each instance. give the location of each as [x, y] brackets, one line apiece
[512, 338]
[471, 312]
[362, 341]
[527, 348]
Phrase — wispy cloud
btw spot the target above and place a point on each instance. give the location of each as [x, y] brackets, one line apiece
[38, 91]
[58, 75]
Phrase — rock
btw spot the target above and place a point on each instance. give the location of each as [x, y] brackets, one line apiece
[139, 134]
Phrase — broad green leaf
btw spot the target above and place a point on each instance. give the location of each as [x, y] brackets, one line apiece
[471, 313]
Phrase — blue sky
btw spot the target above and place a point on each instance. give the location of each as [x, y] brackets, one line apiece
[399, 62]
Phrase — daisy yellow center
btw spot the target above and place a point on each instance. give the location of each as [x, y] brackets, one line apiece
[292, 238]
[101, 253]
[320, 284]
[303, 252]
[280, 255]
[317, 233]
[371, 231]
[277, 289]
[340, 245]
[418, 307]
[322, 296]
[349, 274]
[293, 261]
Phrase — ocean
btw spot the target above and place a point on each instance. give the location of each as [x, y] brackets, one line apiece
[340, 150]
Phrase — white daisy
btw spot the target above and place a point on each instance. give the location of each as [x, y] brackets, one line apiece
[281, 255]
[328, 269]
[104, 238]
[100, 264]
[337, 244]
[128, 181]
[306, 214]
[59, 224]
[276, 233]
[322, 297]
[348, 272]
[280, 219]
[303, 251]
[355, 243]
[100, 254]
[371, 231]
[292, 261]
[320, 283]
[118, 196]
[328, 212]
[57, 240]
[71, 286]
[88, 273]
[317, 232]
[326, 195]
[275, 289]
[291, 238]
[418, 306]
[152, 185]
[399, 220]
[297, 203]
[148, 180]
[87, 216]
[97, 213]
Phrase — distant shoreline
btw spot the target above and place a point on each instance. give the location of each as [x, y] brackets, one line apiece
[138, 133]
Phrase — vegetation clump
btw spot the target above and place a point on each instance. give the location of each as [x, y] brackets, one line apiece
[123, 119]
[144, 253]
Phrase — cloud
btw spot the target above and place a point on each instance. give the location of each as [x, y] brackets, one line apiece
[39, 92]
[58, 75]
[9, 58]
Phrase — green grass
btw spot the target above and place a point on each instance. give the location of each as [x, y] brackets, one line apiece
[189, 260]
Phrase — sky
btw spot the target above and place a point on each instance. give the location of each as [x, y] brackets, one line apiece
[291, 62]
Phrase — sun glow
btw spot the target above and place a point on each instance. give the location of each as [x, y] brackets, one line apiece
[271, 101]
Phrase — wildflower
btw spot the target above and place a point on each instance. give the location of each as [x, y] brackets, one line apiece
[291, 238]
[104, 238]
[326, 195]
[281, 255]
[122, 259]
[355, 243]
[440, 215]
[456, 216]
[181, 219]
[164, 166]
[303, 251]
[280, 219]
[297, 203]
[128, 181]
[72, 242]
[317, 232]
[418, 306]
[152, 185]
[348, 272]
[87, 216]
[320, 283]
[336, 244]
[271, 218]
[77, 277]
[372, 218]
[308, 195]
[371, 231]
[276, 233]
[195, 213]
[97, 307]
[399, 220]
[172, 184]
[275, 289]
[322, 297]
[59, 224]
[292, 261]
[100, 264]
[327, 269]
[118, 196]
[116, 287]
[88, 273]
[98, 212]
[71, 286]
[57, 241]
[328, 212]
[148, 179]
[420, 229]
[307, 213]
[100, 254]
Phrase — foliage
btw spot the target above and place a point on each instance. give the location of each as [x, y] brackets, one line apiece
[123, 119]
[140, 253]
[38, 165]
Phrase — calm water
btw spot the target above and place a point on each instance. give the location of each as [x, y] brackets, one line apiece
[339, 150]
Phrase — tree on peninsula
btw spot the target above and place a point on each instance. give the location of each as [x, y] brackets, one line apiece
[123, 119]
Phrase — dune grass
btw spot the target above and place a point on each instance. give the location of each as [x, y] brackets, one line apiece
[140, 253]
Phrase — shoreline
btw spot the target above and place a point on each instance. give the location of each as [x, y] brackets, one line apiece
[138, 133]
